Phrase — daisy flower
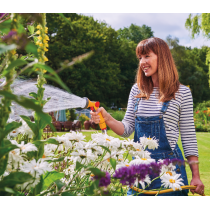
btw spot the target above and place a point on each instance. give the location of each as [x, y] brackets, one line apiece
[139, 161]
[173, 182]
[150, 142]
[27, 147]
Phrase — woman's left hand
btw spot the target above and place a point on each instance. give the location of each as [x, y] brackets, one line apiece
[199, 186]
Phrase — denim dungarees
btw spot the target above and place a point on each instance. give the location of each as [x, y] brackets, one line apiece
[154, 126]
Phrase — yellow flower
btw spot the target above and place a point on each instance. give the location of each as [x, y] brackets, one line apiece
[44, 41]
[44, 71]
[46, 45]
[47, 37]
[38, 32]
[45, 49]
[15, 20]
[46, 29]
[36, 69]
[45, 58]
[37, 43]
[38, 50]
[39, 38]
[39, 27]
[40, 44]
[13, 52]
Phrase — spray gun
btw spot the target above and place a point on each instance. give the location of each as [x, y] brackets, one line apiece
[94, 106]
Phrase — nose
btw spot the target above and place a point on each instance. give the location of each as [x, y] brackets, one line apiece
[142, 61]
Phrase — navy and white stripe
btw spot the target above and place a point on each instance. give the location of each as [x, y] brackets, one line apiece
[179, 115]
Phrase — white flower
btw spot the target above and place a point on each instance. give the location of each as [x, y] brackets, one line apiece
[27, 147]
[150, 142]
[122, 163]
[37, 168]
[172, 181]
[47, 152]
[25, 129]
[147, 180]
[15, 158]
[74, 136]
[166, 168]
[65, 141]
[128, 142]
[139, 161]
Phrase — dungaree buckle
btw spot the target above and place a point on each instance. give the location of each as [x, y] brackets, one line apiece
[160, 116]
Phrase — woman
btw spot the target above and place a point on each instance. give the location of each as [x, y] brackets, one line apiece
[160, 106]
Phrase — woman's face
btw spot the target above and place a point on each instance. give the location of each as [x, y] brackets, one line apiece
[148, 64]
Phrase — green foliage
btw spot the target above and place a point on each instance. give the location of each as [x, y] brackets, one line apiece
[50, 177]
[109, 73]
[72, 115]
[118, 115]
[135, 33]
[192, 69]
[197, 24]
[83, 118]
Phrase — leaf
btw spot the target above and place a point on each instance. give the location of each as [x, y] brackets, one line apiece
[67, 194]
[97, 172]
[5, 26]
[38, 187]
[3, 164]
[33, 95]
[56, 160]
[5, 48]
[5, 150]
[9, 128]
[32, 48]
[31, 29]
[59, 184]
[56, 78]
[52, 141]
[79, 165]
[40, 146]
[62, 15]
[107, 149]
[15, 178]
[113, 163]
[94, 185]
[51, 177]
[13, 64]
[32, 125]
[29, 104]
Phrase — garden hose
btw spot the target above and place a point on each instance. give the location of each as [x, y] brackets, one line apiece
[162, 191]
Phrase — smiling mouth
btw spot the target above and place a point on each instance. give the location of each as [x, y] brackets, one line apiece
[145, 69]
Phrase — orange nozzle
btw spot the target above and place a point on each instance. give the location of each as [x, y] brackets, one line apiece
[96, 105]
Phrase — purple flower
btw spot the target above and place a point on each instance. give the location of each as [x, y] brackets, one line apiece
[2, 14]
[103, 181]
[128, 175]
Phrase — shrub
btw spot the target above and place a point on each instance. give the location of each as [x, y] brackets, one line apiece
[83, 118]
[118, 115]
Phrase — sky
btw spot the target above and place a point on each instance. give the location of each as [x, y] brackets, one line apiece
[162, 24]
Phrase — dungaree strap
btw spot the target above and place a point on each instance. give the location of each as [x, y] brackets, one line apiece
[136, 105]
[165, 107]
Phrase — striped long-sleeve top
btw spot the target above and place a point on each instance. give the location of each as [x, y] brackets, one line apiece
[179, 115]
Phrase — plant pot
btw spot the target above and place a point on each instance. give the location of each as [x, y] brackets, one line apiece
[93, 125]
[87, 124]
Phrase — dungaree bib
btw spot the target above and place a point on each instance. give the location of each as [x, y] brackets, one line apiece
[154, 127]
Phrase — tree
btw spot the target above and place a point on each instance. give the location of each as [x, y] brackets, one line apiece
[191, 67]
[200, 23]
[96, 78]
[135, 33]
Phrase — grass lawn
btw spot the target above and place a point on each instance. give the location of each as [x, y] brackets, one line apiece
[204, 156]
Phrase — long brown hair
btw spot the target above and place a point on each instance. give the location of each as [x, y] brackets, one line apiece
[167, 72]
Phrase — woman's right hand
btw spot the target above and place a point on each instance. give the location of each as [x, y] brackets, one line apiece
[95, 117]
